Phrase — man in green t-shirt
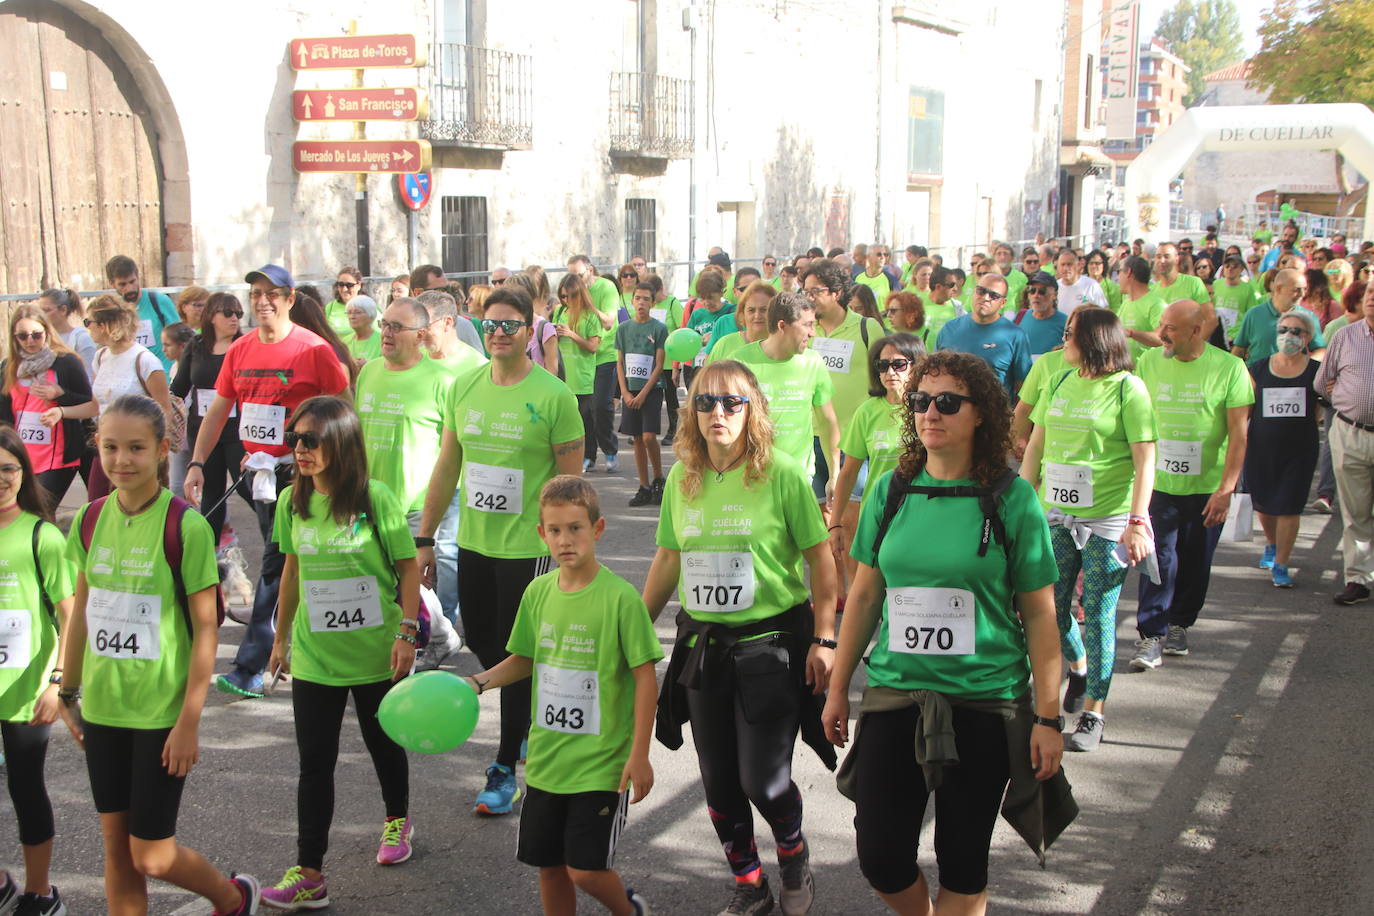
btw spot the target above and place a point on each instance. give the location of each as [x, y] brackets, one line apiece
[1232, 295]
[639, 372]
[873, 276]
[1202, 397]
[1172, 285]
[606, 303]
[1141, 306]
[1259, 328]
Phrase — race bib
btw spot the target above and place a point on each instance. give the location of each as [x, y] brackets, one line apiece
[144, 335]
[1278, 402]
[31, 429]
[930, 621]
[569, 700]
[1228, 319]
[16, 643]
[638, 366]
[1177, 456]
[342, 605]
[124, 626]
[205, 398]
[700, 359]
[718, 583]
[262, 424]
[494, 489]
[836, 354]
[1068, 485]
[659, 315]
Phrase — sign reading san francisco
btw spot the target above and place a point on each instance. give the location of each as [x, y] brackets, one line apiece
[379, 104]
[356, 52]
[361, 155]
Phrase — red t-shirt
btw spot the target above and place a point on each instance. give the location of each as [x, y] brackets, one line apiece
[267, 381]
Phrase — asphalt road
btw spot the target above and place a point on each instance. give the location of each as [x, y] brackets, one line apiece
[1231, 781]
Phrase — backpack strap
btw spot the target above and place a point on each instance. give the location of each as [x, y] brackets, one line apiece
[863, 330]
[38, 570]
[897, 489]
[88, 522]
[173, 550]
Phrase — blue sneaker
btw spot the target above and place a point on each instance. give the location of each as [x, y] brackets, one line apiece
[1281, 577]
[524, 748]
[241, 683]
[501, 792]
[1267, 561]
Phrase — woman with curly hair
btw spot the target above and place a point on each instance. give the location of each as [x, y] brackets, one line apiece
[965, 625]
[753, 655]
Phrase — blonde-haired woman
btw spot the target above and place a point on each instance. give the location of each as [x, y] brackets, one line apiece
[753, 654]
[1339, 276]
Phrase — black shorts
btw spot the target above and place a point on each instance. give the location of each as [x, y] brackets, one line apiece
[646, 418]
[579, 830]
[125, 766]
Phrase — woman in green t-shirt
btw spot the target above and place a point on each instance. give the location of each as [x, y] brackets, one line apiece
[738, 519]
[141, 646]
[1093, 449]
[363, 340]
[1097, 269]
[749, 323]
[579, 338]
[346, 624]
[959, 590]
[37, 594]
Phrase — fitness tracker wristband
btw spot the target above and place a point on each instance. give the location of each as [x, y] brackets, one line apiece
[822, 641]
[424, 542]
[1056, 723]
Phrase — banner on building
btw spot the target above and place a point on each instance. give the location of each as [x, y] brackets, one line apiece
[1123, 68]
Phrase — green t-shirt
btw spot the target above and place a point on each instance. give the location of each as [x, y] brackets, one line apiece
[1044, 368]
[1260, 327]
[668, 311]
[875, 436]
[741, 546]
[639, 344]
[507, 433]
[724, 326]
[881, 286]
[1185, 286]
[1112, 290]
[937, 316]
[1141, 314]
[844, 352]
[1191, 399]
[1336, 324]
[371, 348]
[1016, 281]
[461, 360]
[793, 388]
[1264, 235]
[703, 321]
[584, 645]
[579, 365]
[402, 416]
[336, 314]
[726, 347]
[607, 299]
[28, 630]
[138, 644]
[1087, 470]
[348, 615]
[959, 634]
[1232, 302]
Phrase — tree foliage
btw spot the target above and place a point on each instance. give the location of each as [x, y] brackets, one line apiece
[1322, 53]
[1205, 34]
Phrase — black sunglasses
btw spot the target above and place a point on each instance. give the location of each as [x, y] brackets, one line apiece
[508, 326]
[900, 364]
[22, 336]
[947, 402]
[230, 313]
[992, 294]
[310, 440]
[628, 276]
[730, 403]
[342, 285]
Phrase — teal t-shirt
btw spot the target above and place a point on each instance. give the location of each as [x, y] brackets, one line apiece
[639, 346]
[1259, 331]
[402, 415]
[703, 321]
[28, 628]
[793, 387]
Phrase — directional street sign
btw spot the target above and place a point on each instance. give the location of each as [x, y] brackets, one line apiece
[380, 104]
[361, 155]
[356, 52]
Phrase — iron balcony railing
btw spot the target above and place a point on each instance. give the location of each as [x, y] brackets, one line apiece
[651, 116]
[480, 98]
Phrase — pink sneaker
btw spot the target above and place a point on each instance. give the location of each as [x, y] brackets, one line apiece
[297, 892]
[396, 836]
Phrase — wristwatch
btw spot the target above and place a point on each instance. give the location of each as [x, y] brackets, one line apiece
[1057, 723]
[424, 542]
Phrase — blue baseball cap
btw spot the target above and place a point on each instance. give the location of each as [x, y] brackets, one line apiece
[277, 276]
[1044, 278]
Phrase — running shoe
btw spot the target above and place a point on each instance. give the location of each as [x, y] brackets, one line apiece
[1148, 653]
[749, 899]
[252, 896]
[296, 892]
[657, 488]
[1353, 593]
[643, 496]
[1087, 735]
[1176, 643]
[587, 465]
[241, 683]
[502, 790]
[396, 836]
[1281, 577]
[434, 654]
[798, 887]
[9, 894]
[612, 464]
[1322, 505]
[1267, 561]
[1074, 693]
[638, 902]
[524, 748]
[667, 440]
[39, 905]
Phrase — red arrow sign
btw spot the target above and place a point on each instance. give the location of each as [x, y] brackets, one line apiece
[358, 104]
[360, 155]
[356, 52]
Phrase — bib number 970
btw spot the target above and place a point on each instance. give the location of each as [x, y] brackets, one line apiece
[925, 639]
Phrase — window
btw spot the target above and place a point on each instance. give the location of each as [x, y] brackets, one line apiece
[463, 228]
[926, 132]
[641, 228]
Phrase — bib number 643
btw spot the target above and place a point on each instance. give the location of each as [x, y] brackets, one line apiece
[563, 718]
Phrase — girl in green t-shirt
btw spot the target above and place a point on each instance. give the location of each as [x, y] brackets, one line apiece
[37, 595]
[346, 624]
[141, 645]
[580, 329]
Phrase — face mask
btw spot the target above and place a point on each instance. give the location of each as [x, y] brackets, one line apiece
[1289, 344]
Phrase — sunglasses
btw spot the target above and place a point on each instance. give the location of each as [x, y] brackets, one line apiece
[311, 441]
[508, 326]
[343, 285]
[730, 403]
[985, 293]
[230, 313]
[947, 402]
[900, 364]
[23, 336]
[770, 263]
[633, 276]
[1293, 332]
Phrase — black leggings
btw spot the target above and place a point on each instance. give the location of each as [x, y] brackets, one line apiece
[744, 725]
[26, 747]
[224, 459]
[319, 712]
[57, 481]
[670, 400]
[892, 795]
[489, 593]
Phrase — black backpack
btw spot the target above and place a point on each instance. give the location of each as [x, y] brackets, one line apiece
[989, 500]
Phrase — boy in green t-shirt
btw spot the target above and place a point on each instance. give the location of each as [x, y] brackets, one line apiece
[585, 635]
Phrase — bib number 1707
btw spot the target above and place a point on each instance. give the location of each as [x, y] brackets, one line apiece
[718, 595]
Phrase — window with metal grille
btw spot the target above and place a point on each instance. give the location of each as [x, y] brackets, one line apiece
[641, 228]
[463, 228]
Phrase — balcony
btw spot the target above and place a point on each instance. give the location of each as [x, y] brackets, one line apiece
[479, 98]
[652, 117]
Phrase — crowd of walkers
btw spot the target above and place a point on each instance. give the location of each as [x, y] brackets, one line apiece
[1057, 417]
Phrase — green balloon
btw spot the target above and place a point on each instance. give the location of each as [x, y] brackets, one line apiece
[683, 345]
[430, 713]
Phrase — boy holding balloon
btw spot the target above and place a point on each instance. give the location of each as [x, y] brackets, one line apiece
[585, 635]
[639, 345]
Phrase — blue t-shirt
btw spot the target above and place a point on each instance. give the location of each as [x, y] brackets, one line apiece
[1044, 334]
[155, 312]
[1001, 344]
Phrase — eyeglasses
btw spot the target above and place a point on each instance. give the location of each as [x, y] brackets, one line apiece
[396, 327]
[344, 285]
[10, 471]
[508, 326]
[1037, 291]
[985, 293]
[730, 403]
[1068, 334]
[35, 336]
[894, 310]
[272, 295]
[1293, 332]
[947, 402]
[900, 364]
[499, 282]
[815, 291]
[1031, 260]
[770, 263]
[88, 322]
[311, 441]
